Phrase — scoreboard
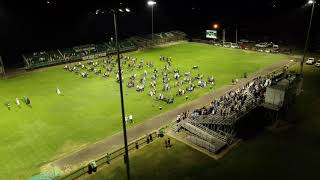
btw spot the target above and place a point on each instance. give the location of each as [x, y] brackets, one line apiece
[212, 34]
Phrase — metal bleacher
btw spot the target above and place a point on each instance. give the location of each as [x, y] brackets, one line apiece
[214, 131]
[77, 53]
[202, 143]
[91, 51]
[158, 38]
[212, 141]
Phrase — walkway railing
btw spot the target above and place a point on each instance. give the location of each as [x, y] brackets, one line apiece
[109, 157]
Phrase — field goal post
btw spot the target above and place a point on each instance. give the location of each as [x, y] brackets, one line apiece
[2, 72]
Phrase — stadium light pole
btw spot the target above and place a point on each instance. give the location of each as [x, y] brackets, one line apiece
[2, 70]
[310, 2]
[152, 4]
[126, 158]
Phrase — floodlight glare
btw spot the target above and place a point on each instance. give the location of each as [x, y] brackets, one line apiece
[128, 10]
[311, 1]
[152, 3]
[120, 10]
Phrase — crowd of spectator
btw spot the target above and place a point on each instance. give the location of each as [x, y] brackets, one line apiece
[233, 103]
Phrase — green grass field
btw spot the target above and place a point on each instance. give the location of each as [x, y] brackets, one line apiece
[89, 110]
[291, 153]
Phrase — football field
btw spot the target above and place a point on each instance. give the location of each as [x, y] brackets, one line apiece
[290, 152]
[89, 109]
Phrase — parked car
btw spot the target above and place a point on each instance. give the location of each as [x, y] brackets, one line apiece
[217, 44]
[310, 61]
[262, 45]
[244, 40]
[318, 63]
[235, 46]
[260, 49]
[227, 44]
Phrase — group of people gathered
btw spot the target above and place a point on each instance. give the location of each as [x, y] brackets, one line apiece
[162, 80]
[232, 104]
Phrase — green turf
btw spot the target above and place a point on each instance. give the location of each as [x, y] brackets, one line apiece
[292, 153]
[89, 110]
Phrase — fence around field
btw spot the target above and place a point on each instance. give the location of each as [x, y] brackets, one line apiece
[202, 41]
[111, 156]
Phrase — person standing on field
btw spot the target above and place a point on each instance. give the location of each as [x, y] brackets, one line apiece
[58, 91]
[18, 102]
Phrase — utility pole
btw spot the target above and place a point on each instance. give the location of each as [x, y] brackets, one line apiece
[152, 3]
[236, 36]
[224, 36]
[126, 156]
[152, 23]
[308, 34]
[2, 71]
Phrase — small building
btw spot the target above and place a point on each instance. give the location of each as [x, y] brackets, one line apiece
[283, 93]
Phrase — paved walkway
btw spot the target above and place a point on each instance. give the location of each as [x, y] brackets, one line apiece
[100, 148]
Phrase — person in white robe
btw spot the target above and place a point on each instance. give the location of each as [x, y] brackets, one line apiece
[18, 102]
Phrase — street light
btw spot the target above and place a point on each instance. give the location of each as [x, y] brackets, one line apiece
[310, 2]
[152, 4]
[126, 158]
[115, 18]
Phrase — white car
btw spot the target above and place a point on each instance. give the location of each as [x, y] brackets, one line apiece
[318, 63]
[227, 45]
[311, 61]
[261, 45]
[235, 46]
[267, 50]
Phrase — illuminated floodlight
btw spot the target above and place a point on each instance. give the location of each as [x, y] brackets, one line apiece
[311, 2]
[121, 10]
[215, 26]
[152, 3]
[128, 10]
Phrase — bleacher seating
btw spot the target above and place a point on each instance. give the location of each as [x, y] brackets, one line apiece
[216, 123]
[70, 54]
[91, 51]
[159, 38]
[78, 53]
[43, 58]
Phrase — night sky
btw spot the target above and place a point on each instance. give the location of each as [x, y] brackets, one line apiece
[40, 24]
